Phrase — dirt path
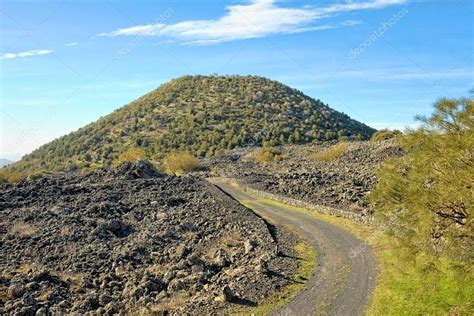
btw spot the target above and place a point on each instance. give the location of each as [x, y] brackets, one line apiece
[343, 279]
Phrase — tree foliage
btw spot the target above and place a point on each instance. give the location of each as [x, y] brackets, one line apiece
[426, 196]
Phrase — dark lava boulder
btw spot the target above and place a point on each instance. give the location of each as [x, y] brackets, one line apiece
[130, 239]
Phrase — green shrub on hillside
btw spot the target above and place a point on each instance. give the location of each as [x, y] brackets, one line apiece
[180, 162]
[332, 153]
[385, 134]
[426, 196]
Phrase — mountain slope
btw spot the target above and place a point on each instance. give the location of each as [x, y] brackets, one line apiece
[201, 114]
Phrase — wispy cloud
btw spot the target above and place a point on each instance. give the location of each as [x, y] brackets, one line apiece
[71, 44]
[29, 53]
[399, 126]
[358, 5]
[259, 18]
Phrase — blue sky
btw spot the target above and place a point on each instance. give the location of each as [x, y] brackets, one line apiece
[66, 63]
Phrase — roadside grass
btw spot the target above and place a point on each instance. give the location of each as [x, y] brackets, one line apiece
[407, 284]
[307, 256]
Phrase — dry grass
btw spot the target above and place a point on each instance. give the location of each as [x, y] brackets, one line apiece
[22, 229]
[178, 163]
[332, 153]
[267, 154]
[131, 154]
[44, 294]
[228, 242]
[3, 294]
[167, 305]
[9, 177]
[231, 240]
[189, 235]
[158, 269]
[74, 280]
[27, 267]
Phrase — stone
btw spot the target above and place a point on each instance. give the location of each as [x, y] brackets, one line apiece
[249, 245]
[176, 285]
[41, 312]
[221, 259]
[226, 295]
[15, 290]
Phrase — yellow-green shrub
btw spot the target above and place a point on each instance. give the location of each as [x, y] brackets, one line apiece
[268, 154]
[9, 177]
[180, 162]
[384, 134]
[132, 154]
[332, 153]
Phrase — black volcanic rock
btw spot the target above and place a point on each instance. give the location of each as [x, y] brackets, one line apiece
[342, 183]
[130, 239]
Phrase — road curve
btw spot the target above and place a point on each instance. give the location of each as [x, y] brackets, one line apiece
[345, 273]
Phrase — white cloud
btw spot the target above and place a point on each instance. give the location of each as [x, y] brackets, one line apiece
[354, 6]
[29, 53]
[399, 126]
[71, 44]
[256, 19]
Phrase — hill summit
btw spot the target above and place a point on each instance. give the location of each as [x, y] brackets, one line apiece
[204, 115]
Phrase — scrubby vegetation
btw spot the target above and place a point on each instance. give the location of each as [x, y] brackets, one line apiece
[8, 176]
[268, 154]
[180, 162]
[384, 134]
[425, 196]
[332, 153]
[204, 115]
[408, 285]
[425, 199]
[131, 154]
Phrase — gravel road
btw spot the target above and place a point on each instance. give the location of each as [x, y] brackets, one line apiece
[345, 273]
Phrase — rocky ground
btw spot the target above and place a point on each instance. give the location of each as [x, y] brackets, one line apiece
[341, 183]
[134, 240]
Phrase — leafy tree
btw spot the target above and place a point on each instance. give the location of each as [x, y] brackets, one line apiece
[426, 196]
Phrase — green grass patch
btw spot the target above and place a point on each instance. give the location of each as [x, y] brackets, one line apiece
[407, 284]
